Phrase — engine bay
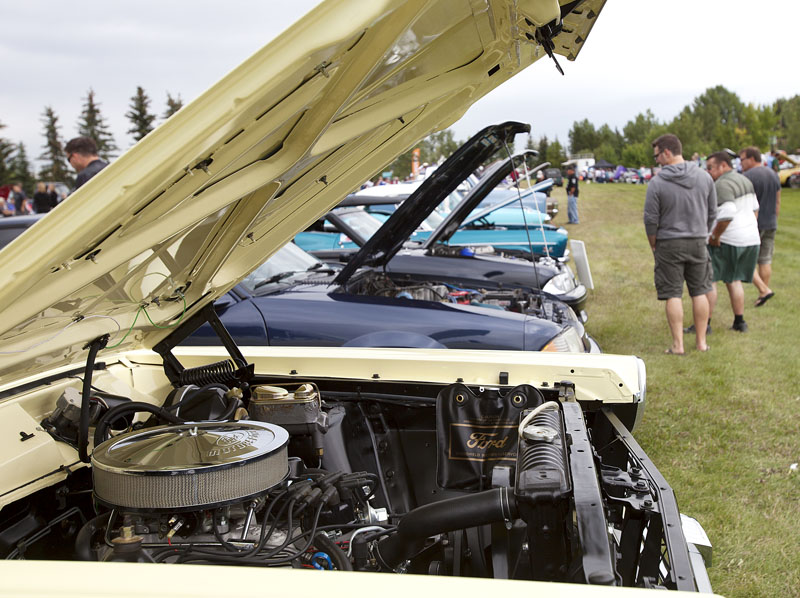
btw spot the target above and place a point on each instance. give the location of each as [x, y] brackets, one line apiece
[380, 284]
[224, 465]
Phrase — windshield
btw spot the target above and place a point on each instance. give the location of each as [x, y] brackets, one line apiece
[288, 259]
[362, 222]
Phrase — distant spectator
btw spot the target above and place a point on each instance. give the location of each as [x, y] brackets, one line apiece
[43, 200]
[680, 206]
[16, 200]
[776, 162]
[51, 189]
[734, 241]
[5, 209]
[767, 186]
[572, 196]
[82, 156]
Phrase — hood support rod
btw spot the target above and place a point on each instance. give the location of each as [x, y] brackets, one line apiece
[83, 431]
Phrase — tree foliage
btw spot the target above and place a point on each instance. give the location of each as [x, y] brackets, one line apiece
[139, 115]
[542, 147]
[6, 150]
[92, 124]
[715, 119]
[19, 168]
[556, 154]
[433, 149]
[173, 105]
[787, 127]
[54, 163]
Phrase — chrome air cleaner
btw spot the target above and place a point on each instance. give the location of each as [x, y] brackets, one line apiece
[189, 466]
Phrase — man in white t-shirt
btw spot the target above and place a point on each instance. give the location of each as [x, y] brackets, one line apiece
[734, 240]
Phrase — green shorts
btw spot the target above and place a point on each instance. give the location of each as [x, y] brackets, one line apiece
[733, 263]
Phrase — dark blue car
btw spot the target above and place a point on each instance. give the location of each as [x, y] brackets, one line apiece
[292, 300]
[295, 299]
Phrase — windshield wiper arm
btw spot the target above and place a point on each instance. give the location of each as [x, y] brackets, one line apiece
[275, 278]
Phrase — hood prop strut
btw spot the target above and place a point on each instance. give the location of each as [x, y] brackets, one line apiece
[83, 431]
[175, 371]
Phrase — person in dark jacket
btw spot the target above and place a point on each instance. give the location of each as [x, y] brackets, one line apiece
[572, 196]
[43, 200]
[82, 156]
[680, 208]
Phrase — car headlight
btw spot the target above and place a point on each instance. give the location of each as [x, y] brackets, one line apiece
[563, 282]
[567, 341]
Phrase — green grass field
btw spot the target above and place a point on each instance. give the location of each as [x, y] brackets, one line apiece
[722, 426]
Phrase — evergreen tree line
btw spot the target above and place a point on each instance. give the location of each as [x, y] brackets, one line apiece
[716, 119]
[16, 166]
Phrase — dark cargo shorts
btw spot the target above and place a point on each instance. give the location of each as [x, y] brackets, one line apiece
[678, 260]
[767, 246]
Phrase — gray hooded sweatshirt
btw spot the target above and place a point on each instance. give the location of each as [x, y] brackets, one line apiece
[681, 203]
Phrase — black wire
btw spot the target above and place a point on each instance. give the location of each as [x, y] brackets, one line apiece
[264, 537]
[127, 408]
[374, 443]
[259, 562]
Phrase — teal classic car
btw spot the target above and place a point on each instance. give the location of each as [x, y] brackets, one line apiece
[479, 214]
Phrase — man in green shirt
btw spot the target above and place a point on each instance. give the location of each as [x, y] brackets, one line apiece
[734, 240]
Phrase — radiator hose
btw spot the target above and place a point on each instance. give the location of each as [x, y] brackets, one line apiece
[444, 516]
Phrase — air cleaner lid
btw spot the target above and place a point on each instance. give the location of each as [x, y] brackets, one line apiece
[189, 448]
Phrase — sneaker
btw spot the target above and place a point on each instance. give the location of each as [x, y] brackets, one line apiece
[740, 327]
[691, 329]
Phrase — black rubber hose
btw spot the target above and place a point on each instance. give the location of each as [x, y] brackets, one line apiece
[126, 408]
[448, 515]
[83, 431]
[83, 541]
[328, 546]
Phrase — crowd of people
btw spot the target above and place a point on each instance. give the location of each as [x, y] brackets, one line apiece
[707, 225]
[81, 154]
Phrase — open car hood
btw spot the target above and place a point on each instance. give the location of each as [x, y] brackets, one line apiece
[191, 209]
[389, 238]
[460, 216]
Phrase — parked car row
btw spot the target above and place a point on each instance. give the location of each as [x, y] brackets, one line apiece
[181, 384]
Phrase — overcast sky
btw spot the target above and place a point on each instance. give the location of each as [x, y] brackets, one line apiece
[642, 54]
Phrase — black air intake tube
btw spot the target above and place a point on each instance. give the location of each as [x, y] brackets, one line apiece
[445, 516]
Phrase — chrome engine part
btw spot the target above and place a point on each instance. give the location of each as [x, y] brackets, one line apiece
[189, 466]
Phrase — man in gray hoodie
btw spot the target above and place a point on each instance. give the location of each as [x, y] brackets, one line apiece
[679, 210]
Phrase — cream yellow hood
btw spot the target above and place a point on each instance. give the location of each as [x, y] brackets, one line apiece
[205, 198]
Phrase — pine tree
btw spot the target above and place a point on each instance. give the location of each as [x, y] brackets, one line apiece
[55, 166]
[140, 118]
[6, 149]
[542, 149]
[92, 124]
[20, 169]
[173, 105]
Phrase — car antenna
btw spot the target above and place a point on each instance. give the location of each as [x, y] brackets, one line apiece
[524, 219]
